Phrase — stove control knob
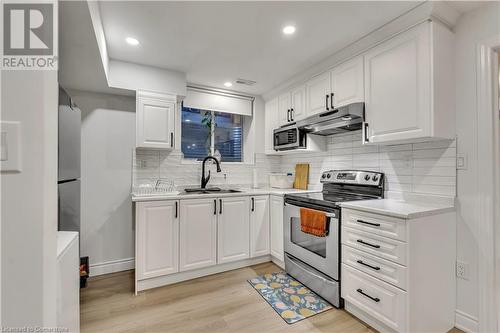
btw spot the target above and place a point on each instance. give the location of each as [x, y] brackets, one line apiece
[323, 176]
[367, 177]
[375, 178]
[328, 175]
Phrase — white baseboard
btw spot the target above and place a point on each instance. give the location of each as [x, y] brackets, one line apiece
[112, 266]
[465, 322]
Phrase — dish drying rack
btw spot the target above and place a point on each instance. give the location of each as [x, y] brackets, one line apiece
[156, 187]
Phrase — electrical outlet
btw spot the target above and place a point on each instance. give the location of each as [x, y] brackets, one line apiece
[462, 269]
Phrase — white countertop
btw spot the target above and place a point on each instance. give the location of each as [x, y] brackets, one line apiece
[244, 192]
[400, 209]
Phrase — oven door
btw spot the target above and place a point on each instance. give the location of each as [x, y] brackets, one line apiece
[322, 253]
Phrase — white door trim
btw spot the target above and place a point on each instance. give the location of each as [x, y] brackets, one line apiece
[487, 200]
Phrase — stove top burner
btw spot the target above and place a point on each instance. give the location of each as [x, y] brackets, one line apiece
[327, 199]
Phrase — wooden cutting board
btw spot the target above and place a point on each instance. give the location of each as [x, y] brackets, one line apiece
[301, 176]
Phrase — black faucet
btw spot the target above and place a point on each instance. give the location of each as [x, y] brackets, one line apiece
[204, 180]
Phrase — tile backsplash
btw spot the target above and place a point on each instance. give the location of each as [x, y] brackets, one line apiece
[420, 168]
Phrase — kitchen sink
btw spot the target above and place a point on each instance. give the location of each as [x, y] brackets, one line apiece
[210, 190]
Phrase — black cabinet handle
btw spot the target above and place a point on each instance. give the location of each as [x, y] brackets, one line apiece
[288, 115]
[365, 132]
[365, 243]
[171, 139]
[215, 207]
[375, 299]
[176, 209]
[369, 223]
[220, 207]
[331, 100]
[291, 114]
[370, 266]
[326, 103]
[253, 204]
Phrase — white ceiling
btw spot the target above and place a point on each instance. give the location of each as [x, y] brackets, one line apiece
[214, 42]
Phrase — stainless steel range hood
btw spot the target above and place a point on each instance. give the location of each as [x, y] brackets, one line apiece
[343, 119]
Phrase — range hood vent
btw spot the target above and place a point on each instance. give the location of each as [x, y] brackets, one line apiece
[344, 119]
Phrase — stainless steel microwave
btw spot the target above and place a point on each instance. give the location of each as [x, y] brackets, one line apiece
[289, 137]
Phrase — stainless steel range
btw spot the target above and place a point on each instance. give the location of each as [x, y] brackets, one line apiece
[314, 260]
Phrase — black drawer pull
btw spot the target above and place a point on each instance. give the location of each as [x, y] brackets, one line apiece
[215, 207]
[176, 209]
[365, 243]
[365, 264]
[253, 204]
[220, 206]
[375, 299]
[369, 223]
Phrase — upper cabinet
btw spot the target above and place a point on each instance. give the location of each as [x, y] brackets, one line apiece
[318, 93]
[271, 122]
[408, 87]
[341, 86]
[155, 120]
[348, 83]
[291, 105]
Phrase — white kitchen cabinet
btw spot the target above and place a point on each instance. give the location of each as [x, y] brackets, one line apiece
[391, 268]
[298, 103]
[198, 233]
[348, 82]
[277, 248]
[155, 120]
[271, 122]
[259, 226]
[157, 228]
[408, 91]
[318, 91]
[233, 229]
[284, 105]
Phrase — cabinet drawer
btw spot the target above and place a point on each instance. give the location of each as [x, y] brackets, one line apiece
[383, 247]
[380, 268]
[384, 302]
[374, 223]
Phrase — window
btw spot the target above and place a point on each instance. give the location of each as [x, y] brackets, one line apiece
[206, 132]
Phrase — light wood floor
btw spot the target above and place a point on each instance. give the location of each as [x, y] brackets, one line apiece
[219, 303]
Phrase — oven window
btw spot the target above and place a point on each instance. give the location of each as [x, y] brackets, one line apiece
[309, 242]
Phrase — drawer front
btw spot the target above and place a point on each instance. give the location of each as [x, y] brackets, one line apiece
[383, 247]
[374, 223]
[375, 266]
[384, 302]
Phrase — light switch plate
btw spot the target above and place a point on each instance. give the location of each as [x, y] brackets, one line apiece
[10, 146]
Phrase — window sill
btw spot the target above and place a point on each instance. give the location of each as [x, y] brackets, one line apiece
[189, 161]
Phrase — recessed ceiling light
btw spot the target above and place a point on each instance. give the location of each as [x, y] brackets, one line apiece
[228, 84]
[289, 30]
[132, 41]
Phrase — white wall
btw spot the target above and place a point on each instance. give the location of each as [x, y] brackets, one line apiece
[471, 28]
[108, 140]
[29, 201]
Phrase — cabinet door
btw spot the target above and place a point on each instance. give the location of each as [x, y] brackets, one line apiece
[271, 117]
[317, 90]
[397, 87]
[277, 227]
[259, 226]
[233, 229]
[157, 238]
[298, 103]
[284, 109]
[198, 233]
[155, 123]
[348, 83]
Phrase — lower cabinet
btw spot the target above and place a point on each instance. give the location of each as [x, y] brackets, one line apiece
[198, 233]
[233, 229]
[259, 226]
[157, 244]
[277, 248]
